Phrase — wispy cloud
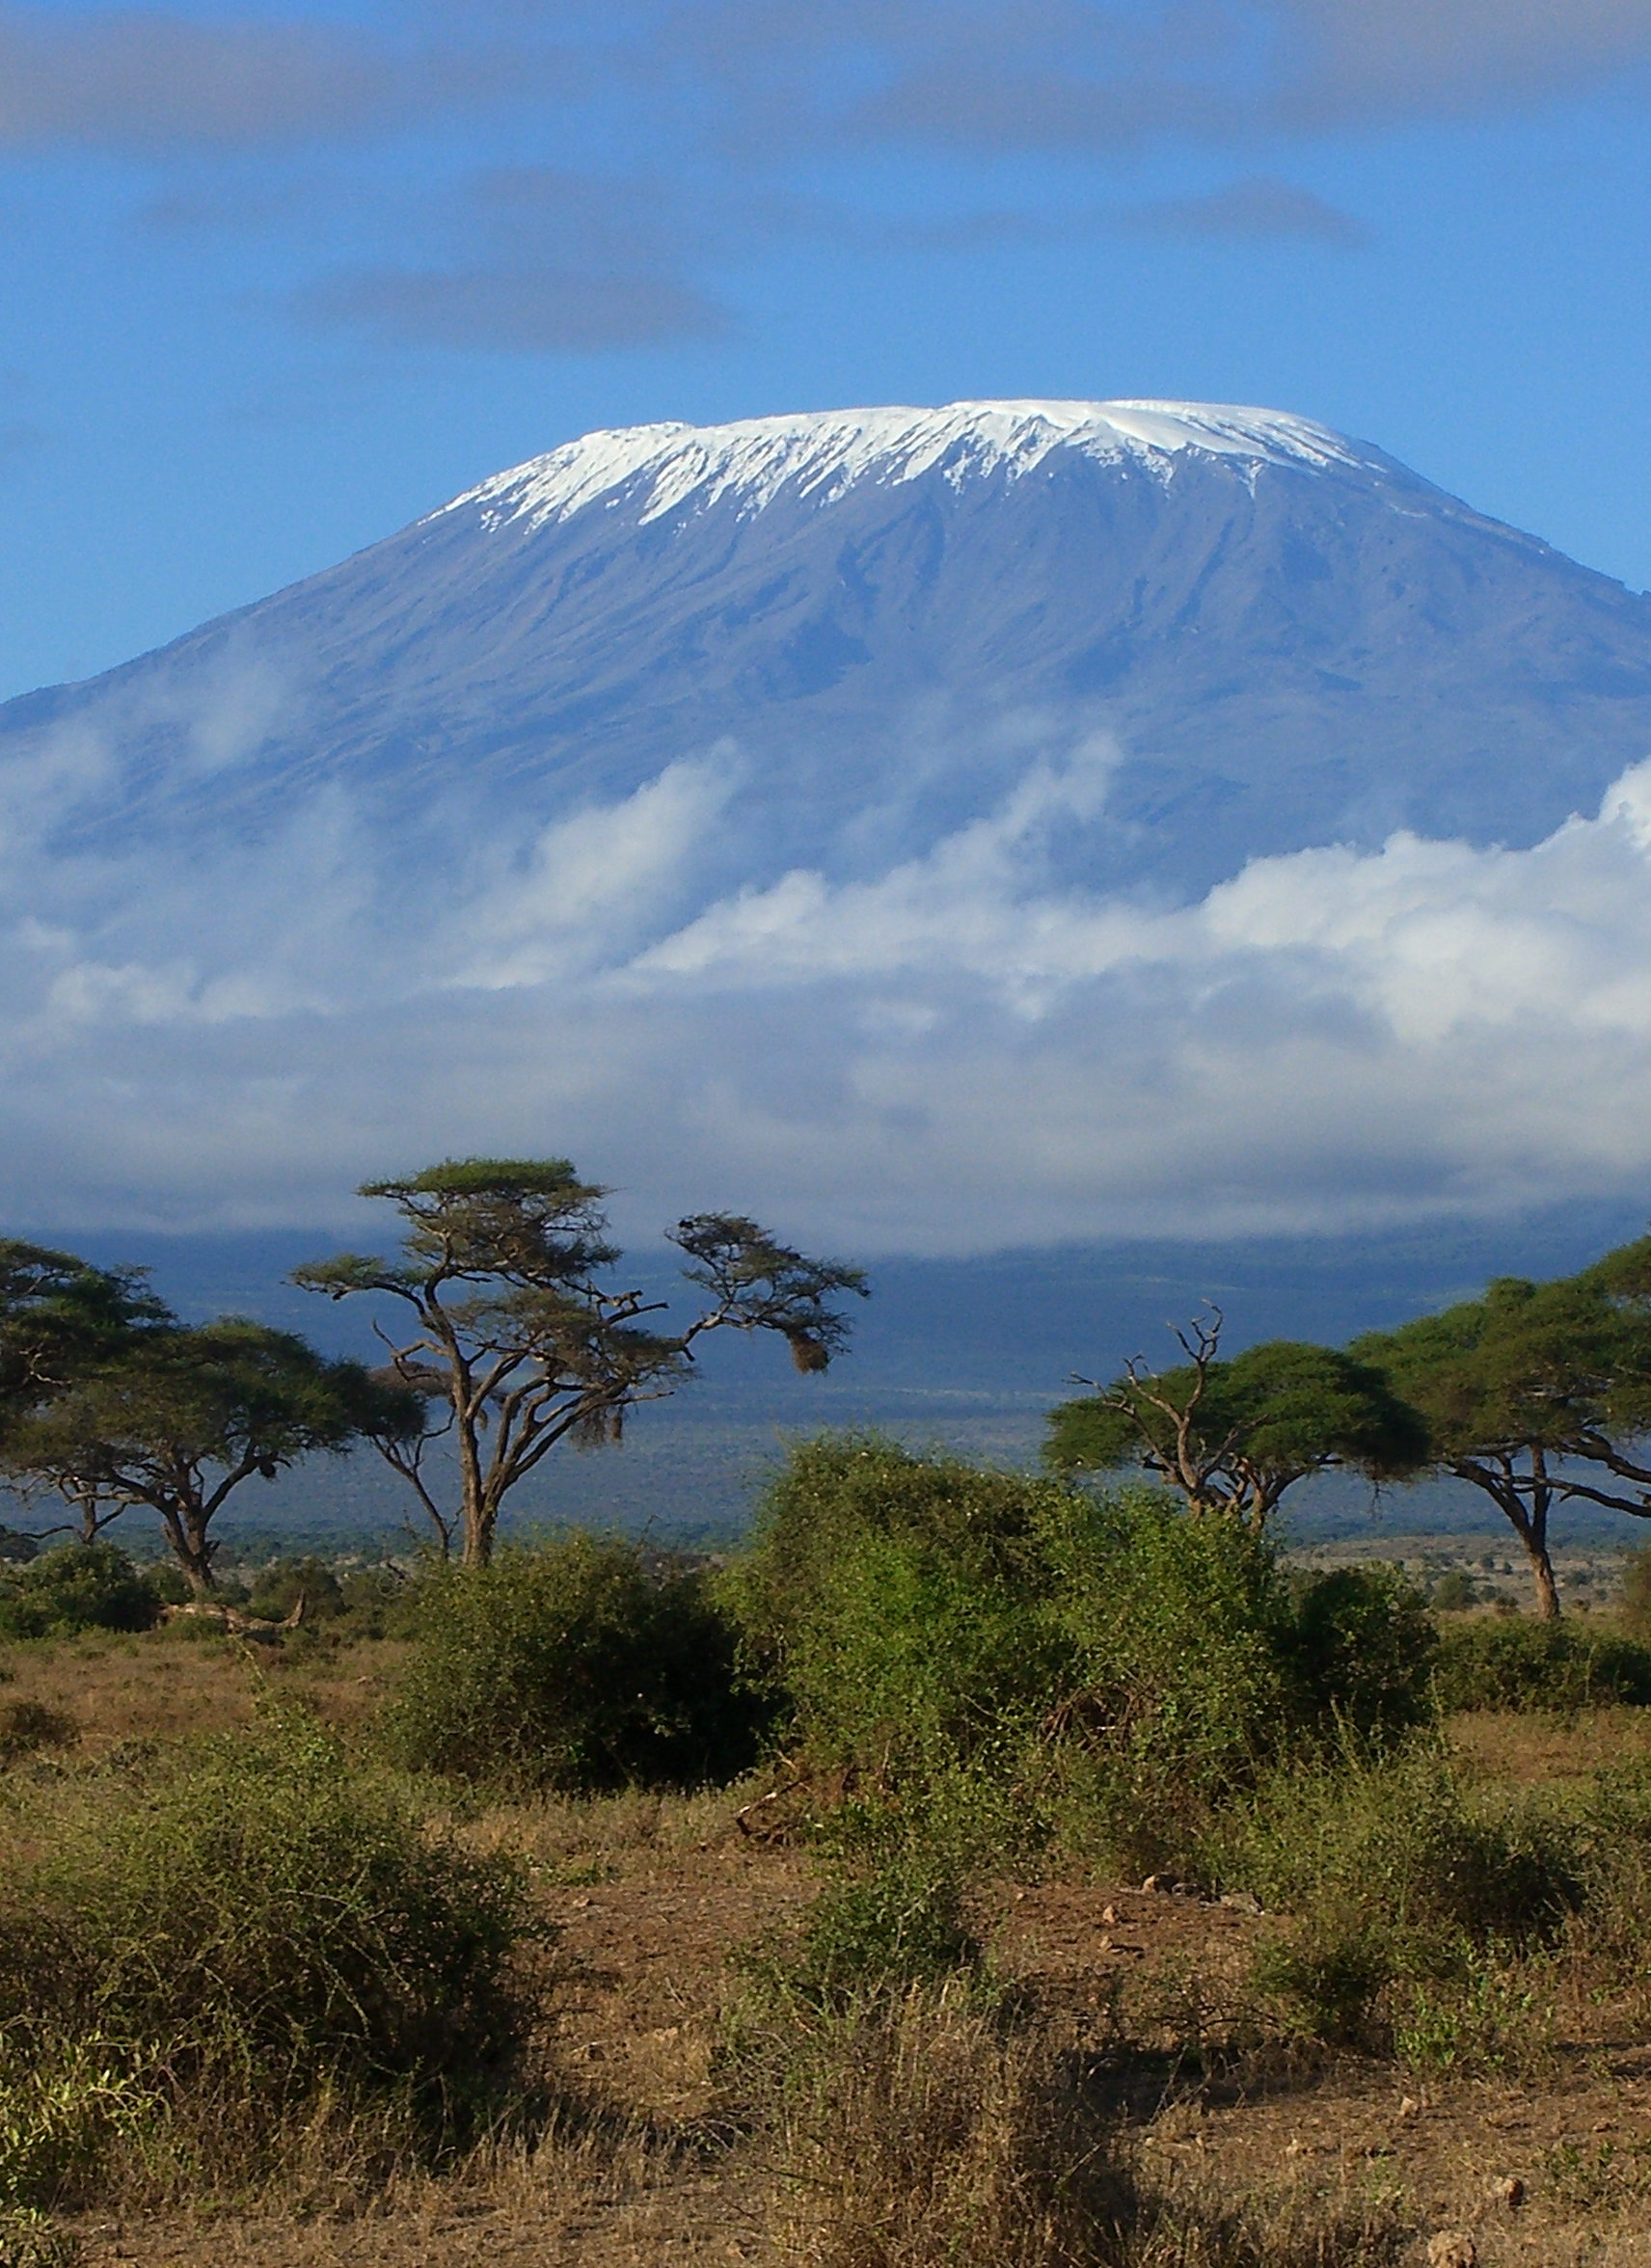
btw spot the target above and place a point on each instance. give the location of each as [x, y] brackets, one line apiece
[689, 118]
[147, 80]
[1255, 209]
[510, 309]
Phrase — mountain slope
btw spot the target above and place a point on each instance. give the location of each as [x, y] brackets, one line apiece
[1289, 637]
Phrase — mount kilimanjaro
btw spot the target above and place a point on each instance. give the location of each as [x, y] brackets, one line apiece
[1284, 638]
[936, 830]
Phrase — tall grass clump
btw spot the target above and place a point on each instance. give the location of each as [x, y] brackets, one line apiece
[571, 1667]
[944, 2136]
[1396, 1870]
[197, 1959]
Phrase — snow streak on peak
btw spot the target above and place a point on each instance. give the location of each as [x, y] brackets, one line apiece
[819, 454]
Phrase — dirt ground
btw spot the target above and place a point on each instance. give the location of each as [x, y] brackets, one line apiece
[645, 1958]
[652, 1902]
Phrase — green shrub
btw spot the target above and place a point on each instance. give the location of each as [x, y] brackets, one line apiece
[379, 1603]
[570, 1666]
[1396, 1870]
[1404, 1838]
[905, 1605]
[877, 1931]
[77, 1587]
[250, 1930]
[1120, 1663]
[1517, 1662]
[922, 1615]
[277, 1589]
[1360, 1649]
[1455, 1592]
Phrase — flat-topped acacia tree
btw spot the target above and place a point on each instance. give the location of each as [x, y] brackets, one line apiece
[1232, 1436]
[178, 1418]
[1537, 1393]
[521, 1347]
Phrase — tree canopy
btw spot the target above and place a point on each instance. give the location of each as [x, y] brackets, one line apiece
[517, 1344]
[1537, 1393]
[1232, 1436]
[178, 1418]
[61, 1318]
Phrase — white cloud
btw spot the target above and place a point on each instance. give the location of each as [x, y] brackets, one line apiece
[944, 1053]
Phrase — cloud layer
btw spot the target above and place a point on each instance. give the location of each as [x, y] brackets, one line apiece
[657, 146]
[947, 1054]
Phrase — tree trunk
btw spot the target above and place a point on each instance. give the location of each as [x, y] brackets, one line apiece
[1529, 1523]
[1547, 1589]
[1536, 1541]
[480, 1519]
[187, 1533]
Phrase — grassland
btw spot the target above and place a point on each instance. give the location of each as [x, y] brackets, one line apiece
[1195, 2127]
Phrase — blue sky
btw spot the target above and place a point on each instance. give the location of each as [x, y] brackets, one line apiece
[277, 279]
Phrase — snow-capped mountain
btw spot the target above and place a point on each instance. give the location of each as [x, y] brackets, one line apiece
[926, 824]
[1286, 637]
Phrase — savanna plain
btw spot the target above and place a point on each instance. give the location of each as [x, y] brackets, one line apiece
[976, 1867]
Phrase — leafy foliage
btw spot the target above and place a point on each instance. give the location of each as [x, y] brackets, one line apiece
[178, 1419]
[569, 1666]
[59, 1317]
[1512, 1661]
[1360, 1645]
[1234, 1436]
[1537, 1394]
[1109, 1657]
[249, 1929]
[74, 1588]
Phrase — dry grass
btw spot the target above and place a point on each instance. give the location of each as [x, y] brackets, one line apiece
[1526, 1750]
[166, 1683]
[1088, 2134]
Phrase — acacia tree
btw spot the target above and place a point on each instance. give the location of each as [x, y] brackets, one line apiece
[1539, 1395]
[519, 1346]
[1232, 1436]
[178, 1419]
[62, 1321]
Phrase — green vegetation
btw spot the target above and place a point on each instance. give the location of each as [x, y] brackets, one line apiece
[1538, 1394]
[195, 1959]
[1231, 1437]
[572, 1667]
[77, 1587]
[916, 1616]
[953, 1689]
[1506, 1662]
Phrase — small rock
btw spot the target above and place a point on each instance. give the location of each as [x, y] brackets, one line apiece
[1103, 1943]
[1409, 2107]
[1452, 2248]
[1242, 1901]
[1108, 1915]
[1510, 2192]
